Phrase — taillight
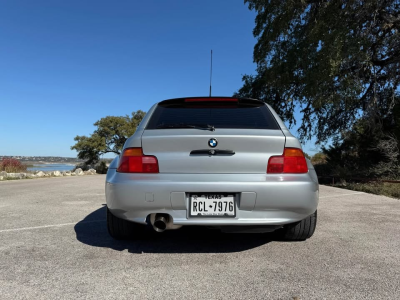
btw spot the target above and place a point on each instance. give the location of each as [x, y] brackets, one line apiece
[134, 161]
[211, 99]
[292, 161]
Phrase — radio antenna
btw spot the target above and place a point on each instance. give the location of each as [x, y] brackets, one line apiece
[211, 73]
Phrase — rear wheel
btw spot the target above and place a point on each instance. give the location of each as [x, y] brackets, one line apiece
[120, 229]
[299, 231]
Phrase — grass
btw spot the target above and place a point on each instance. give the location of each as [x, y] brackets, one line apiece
[11, 169]
[378, 188]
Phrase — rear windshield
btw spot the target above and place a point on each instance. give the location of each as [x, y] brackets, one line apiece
[231, 116]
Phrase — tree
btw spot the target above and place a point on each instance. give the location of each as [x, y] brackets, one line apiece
[318, 158]
[336, 60]
[364, 151]
[109, 137]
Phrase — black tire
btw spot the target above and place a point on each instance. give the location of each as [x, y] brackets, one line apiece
[120, 229]
[299, 231]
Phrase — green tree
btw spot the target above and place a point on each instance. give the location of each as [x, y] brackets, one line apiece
[109, 137]
[336, 60]
[364, 151]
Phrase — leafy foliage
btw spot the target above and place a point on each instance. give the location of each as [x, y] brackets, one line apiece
[364, 151]
[11, 165]
[318, 158]
[336, 60]
[109, 137]
[101, 168]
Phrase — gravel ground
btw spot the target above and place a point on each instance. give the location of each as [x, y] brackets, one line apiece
[54, 245]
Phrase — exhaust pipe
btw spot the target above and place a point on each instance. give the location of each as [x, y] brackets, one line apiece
[160, 223]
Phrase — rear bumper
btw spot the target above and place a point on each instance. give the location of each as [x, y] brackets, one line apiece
[261, 199]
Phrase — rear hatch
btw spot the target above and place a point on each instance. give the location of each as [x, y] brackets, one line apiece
[212, 135]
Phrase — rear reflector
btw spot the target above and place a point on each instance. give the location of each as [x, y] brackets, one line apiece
[292, 161]
[211, 99]
[134, 161]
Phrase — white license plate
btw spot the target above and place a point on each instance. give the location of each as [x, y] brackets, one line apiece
[212, 205]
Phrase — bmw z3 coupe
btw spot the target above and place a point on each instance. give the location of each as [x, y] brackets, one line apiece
[221, 162]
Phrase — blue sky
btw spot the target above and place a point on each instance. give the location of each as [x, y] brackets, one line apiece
[66, 64]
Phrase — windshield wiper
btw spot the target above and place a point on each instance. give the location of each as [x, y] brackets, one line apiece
[182, 125]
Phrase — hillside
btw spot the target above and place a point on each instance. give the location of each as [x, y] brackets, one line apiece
[44, 159]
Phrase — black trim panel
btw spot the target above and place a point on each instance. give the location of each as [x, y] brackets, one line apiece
[212, 152]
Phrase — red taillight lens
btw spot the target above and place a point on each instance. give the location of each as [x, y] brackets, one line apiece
[275, 164]
[211, 99]
[134, 161]
[292, 161]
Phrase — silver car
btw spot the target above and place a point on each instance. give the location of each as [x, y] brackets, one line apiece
[212, 161]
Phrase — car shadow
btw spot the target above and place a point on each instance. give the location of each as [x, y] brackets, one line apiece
[92, 231]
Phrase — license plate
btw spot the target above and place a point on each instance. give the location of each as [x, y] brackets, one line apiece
[212, 205]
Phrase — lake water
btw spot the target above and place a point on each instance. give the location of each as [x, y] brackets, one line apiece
[51, 167]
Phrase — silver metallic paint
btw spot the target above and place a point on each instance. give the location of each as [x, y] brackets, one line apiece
[262, 199]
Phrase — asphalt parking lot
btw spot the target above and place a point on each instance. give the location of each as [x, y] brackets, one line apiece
[54, 245]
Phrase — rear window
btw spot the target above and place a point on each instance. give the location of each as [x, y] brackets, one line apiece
[218, 115]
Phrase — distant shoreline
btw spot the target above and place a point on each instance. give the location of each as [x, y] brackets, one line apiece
[29, 160]
[49, 160]
[49, 163]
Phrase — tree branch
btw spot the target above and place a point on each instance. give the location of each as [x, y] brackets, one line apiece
[388, 61]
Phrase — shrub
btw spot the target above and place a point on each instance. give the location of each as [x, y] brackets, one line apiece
[318, 159]
[82, 166]
[101, 168]
[12, 165]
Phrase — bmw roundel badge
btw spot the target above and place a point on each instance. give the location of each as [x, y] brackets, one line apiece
[212, 143]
